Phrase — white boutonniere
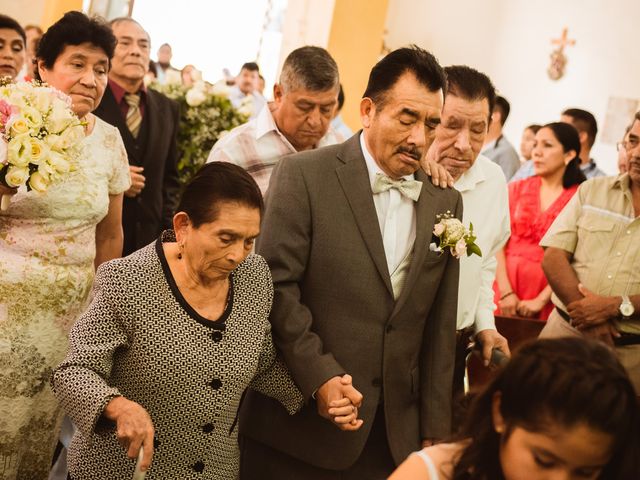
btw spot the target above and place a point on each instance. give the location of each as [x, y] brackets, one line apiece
[452, 234]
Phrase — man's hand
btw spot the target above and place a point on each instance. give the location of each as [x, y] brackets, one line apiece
[137, 181]
[440, 177]
[490, 339]
[339, 401]
[592, 309]
[530, 308]
[509, 305]
[134, 428]
[604, 332]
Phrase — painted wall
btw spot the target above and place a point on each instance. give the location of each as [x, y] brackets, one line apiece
[510, 40]
[24, 11]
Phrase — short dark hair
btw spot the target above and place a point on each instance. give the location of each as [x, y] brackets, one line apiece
[74, 28]
[214, 183]
[312, 68]
[502, 106]
[470, 84]
[561, 381]
[251, 66]
[9, 23]
[568, 137]
[340, 98]
[413, 59]
[583, 121]
[534, 127]
[153, 68]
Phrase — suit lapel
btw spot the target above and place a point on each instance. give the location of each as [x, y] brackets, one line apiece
[152, 127]
[110, 112]
[354, 180]
[425, 214]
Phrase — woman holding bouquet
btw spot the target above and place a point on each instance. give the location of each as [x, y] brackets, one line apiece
[51, 238]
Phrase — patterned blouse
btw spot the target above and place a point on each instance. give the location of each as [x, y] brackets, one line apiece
[141, 339]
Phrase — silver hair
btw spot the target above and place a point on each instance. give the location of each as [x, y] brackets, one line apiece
[311, 68]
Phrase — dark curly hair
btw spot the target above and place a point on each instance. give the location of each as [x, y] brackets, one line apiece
[561, 381]
[569, 138]
[74, 28]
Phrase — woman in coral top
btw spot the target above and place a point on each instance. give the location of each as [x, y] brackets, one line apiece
[521, 287]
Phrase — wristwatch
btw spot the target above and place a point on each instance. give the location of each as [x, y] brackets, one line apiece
[626, 307]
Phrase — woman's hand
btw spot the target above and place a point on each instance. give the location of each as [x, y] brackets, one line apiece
[509, 304]
[134, 428]
[530, 308]
[7, 191]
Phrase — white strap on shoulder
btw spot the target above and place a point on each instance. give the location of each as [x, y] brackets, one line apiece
[431, 468]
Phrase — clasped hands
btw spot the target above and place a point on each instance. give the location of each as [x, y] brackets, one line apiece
[338, 401]
[592, 314]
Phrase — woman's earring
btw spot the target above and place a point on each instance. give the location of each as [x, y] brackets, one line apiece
[180, 249]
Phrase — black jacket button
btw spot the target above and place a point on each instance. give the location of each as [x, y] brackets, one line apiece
[208, 427]
[198, 466]
[215, 383]
[217, 336]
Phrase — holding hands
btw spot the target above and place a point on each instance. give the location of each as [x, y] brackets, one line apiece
[338, 401]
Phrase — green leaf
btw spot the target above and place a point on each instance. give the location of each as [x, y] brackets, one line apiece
[474, 249]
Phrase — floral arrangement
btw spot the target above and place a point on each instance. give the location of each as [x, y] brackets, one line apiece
[206, 114]
[452, 234]
[39, 136]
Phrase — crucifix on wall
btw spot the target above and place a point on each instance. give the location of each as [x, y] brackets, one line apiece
[558, 58]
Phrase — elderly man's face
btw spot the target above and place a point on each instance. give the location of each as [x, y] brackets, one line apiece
[399, 132]
[303, 116]
[462, 132]
[131, 56]
[633, 153]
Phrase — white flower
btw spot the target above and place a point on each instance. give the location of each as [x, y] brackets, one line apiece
[434, 248]
[16, 176]
[37, 150]
[18, 150]
[58, 162]
[246, 108]
[59, 118]
[17, 125]
[72, 135]
[454, 230]
[173, 76]
[4, 151]
[33, 117]
[42, 99]
[38, 182]
[460, 249]
[438, 229]
[221, 89]
[195, 97]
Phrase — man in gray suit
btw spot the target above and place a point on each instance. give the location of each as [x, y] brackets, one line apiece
[358, 291]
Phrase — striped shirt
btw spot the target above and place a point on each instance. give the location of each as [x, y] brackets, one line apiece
[599, 227]
[257, 146]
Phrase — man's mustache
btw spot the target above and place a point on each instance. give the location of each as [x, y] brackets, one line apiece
[414, 152]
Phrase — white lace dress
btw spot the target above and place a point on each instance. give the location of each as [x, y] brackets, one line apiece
[47, 249]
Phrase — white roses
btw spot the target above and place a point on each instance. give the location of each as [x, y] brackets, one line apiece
[452, 234]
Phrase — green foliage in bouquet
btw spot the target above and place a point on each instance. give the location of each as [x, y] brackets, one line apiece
[206, 113]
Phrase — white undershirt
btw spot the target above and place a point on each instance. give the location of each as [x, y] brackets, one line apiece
[396, 215]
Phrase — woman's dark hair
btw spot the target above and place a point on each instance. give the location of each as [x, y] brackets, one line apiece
[566, 382]
[569, 138]
[74, 28]
[11, 24]
[214, 183]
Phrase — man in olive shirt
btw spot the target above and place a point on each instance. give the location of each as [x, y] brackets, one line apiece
[591, 258]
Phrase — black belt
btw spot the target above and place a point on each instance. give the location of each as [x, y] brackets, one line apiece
[622, 340]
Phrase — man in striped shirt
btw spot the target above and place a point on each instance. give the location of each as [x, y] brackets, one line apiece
[305, 99]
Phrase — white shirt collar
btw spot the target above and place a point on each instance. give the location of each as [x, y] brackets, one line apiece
[265, 123]
[469, 179]
[372, 166]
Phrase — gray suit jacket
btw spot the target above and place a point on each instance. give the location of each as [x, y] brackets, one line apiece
[334, 310]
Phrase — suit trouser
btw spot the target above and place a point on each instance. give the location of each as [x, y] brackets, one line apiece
[629, 355]
[260, 462]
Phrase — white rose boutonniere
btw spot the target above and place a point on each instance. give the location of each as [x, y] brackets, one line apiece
[452, 234]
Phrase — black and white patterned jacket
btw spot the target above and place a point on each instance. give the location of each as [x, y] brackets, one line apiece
[140, 338]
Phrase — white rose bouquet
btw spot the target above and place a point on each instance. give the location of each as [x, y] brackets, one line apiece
[39, 136]
[452, 234]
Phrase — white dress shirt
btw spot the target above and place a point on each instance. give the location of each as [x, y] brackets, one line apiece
[486, 204]
[396, 216]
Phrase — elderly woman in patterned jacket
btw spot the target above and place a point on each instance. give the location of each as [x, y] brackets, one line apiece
[175, 333]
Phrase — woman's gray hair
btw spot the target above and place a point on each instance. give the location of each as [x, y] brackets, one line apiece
[311, 68]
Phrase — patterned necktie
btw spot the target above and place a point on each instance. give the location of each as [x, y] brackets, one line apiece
[409, 188]
[134, 117]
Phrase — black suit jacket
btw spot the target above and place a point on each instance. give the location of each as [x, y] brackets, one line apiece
[334, 310]
[145, 216]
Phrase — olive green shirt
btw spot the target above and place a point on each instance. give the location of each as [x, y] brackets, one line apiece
[599, 227]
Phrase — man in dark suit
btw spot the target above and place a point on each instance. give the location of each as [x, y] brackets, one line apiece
[148, 123]
[347, 232]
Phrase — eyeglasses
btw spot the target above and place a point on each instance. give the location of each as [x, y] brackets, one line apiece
[630, 144]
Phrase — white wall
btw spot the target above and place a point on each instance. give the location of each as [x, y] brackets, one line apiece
[510, 40]
[24, 11]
